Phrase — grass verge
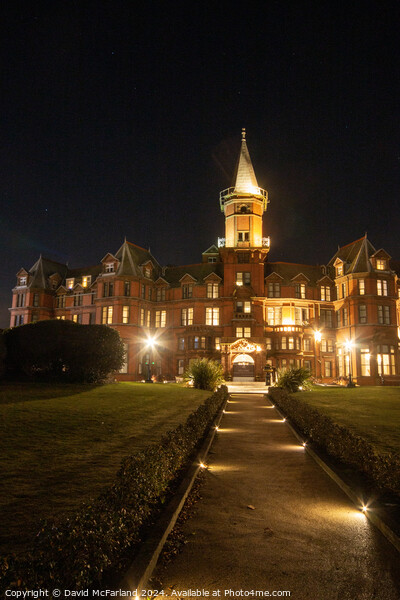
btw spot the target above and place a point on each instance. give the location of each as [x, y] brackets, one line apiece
[62, 445]
[370, 412]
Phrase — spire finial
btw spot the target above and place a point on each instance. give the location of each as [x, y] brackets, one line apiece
[243, 134]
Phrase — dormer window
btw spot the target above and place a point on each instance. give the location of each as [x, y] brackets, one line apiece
[70, 283]
[300, 290]
[212, 259]
[381, 264]
[109, 267]
[339, 270]
[147, 272]
[243, 236]
[86, 280]
[22, 280]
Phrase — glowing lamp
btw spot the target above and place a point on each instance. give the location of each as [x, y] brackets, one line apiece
[317, 336]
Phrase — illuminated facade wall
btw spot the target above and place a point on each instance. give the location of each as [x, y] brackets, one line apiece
[235, 305]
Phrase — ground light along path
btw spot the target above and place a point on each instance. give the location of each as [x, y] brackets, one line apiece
[303, 535]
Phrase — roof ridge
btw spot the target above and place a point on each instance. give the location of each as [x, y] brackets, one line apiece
[351, 243]
[282, 262]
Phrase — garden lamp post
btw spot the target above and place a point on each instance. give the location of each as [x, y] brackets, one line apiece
[317, 339]
[149, 347]
[349, 346]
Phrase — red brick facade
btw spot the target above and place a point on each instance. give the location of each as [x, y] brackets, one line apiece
[235, 306]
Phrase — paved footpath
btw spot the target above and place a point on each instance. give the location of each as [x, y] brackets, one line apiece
[303, 536]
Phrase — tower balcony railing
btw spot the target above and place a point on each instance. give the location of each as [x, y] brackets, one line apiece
[252, 192]
[265, 243]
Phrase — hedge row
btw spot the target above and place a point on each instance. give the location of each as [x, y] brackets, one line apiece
[74, 554]
[339, 442]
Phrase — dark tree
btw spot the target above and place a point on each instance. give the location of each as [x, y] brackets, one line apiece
[63, 351]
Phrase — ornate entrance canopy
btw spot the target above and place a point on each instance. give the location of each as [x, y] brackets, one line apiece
[244, 346]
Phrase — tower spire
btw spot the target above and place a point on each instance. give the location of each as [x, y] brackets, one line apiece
[245, 178]
[243, 205]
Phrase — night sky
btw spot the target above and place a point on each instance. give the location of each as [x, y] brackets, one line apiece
[125, 120]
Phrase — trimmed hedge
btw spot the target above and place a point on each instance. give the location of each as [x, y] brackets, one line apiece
[74, 554]
[339, 442]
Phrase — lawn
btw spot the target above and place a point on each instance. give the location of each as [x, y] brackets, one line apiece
[370, 412]
[61, 445]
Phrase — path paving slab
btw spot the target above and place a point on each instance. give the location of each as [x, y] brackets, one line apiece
[271, 520]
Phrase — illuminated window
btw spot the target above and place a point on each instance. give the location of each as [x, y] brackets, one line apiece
[243, 278]
[384, 315]
[243, 332]
[147, 272]
[243, 306]
[212, 290]
[365, 360]
[386, 360]
[274, 290]
[106, 315]
[274, 315]
[161, 318]
[307, 344]
[125, 314]
[61, 318]
[345, 317]
[362, 313]
[339, 270]
[186, 316]
[109, 267]
[361, 287]
[218, 343]
[300, 290]
[212, 316]
[325, 292]
[141, 317]
[199, 342]
[22, 280]
[381, 287]
[381, 264]
[284, 343]
[268, 343]
[147, 318]
[70, 283]
[86, 280]
[291, 343]
[187, 290]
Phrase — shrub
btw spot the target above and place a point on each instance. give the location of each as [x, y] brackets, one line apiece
[74, 554]
[63, 351]
[340, 442]
[293, 379]
[206, 374]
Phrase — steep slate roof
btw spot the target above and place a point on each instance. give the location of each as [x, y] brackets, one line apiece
[245, 177]
[199, 271]
[131, 258]
[289, 270]
[355, 256]
[41, 271]
[94, 271]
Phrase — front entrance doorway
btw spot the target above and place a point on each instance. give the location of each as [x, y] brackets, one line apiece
[243, 368]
